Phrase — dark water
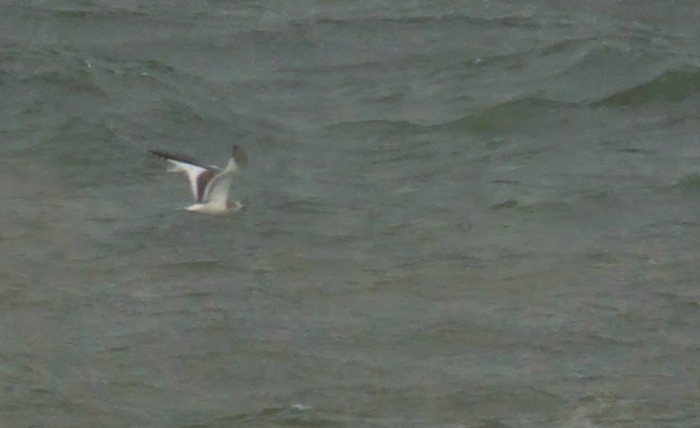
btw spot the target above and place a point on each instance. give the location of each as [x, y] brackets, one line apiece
[457, 214]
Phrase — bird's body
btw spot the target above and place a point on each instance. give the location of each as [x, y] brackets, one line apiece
[215, 209]
[209, 184]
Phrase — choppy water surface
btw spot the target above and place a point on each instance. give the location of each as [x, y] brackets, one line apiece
[457, 214]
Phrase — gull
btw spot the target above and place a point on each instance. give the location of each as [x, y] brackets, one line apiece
[209, 183]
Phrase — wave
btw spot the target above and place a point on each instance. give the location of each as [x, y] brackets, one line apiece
[671, 86]
[426, 18]
[85, 10]
[690, 183]
[551, 208]
[52, 66]
[375, 128]
[508, 115]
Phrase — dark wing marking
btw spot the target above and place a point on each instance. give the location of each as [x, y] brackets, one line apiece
[202, 181]
[179, 158]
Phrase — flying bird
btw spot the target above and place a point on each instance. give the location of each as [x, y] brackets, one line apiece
[209, 184]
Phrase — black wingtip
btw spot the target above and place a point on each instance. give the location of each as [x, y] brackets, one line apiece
[158, 153]
[176, 157]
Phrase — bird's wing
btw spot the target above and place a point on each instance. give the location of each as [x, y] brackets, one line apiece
[216, 192]
[198, 174]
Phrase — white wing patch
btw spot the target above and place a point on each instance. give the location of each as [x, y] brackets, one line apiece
[192, 171]
[217, 189]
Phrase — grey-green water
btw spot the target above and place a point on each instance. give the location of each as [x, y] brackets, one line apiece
[457, 214]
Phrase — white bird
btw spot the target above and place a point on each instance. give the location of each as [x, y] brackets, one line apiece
[209, 183]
